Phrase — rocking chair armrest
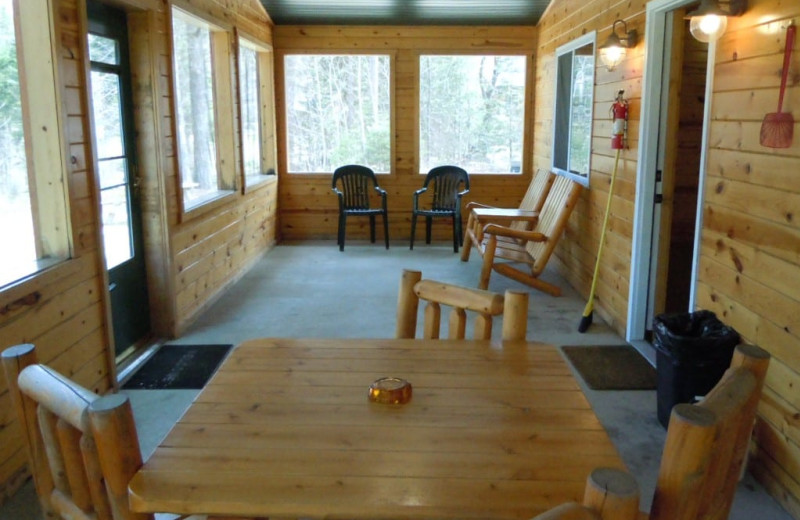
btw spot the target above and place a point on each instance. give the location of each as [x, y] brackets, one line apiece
[472, 205]
[504, 231]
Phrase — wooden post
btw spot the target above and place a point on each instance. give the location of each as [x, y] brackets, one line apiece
[433, 316]
[483, 326]
[114, 432]
[457, 324]
[685, 459]
[613, 494]
[69, 438]
[488, 260]
[515, 315]
[467, 247]
[15, 359]
[407, 305]
[731, 449]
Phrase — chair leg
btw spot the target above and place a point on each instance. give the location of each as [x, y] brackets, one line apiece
[488, 260]
[413, 228]
[342, 225]
[467, 240]
[372, 228]
[456, 232]
[386, 229]
[428, 221]
[459, 222]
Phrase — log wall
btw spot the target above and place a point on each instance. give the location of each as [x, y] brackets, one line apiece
[64, 310]
[308, 207]
[750, 256]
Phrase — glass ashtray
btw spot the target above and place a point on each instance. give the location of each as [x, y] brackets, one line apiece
[390, 390]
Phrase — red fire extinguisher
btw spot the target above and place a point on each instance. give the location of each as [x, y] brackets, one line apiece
[619, 113]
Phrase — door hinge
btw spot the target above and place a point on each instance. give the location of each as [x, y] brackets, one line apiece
[658, 175]
[659, 198]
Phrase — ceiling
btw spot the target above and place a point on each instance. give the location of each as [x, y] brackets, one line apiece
[405, 12]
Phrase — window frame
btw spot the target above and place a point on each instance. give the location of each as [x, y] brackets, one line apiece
[265, 73]
[526, 161]
[223, 71]
[570, 48]
[391, 54]
[44, 134]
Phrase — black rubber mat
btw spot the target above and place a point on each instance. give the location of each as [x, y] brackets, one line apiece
[174, 367]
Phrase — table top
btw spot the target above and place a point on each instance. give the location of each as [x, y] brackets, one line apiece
[285, 429]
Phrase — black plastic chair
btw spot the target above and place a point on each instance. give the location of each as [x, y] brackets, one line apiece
[445, 183]
[357, 182]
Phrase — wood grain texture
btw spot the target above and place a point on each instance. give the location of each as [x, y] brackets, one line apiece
[308, 208]
[69, 321]
[477, 440]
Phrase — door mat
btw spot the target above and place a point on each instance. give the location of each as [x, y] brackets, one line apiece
[618, 367]
[178, 367]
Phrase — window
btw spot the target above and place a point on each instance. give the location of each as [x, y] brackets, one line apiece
[204, 109]
[338, 112]
[257, 110]
[572, 122]
[472, 112]
[34, 224]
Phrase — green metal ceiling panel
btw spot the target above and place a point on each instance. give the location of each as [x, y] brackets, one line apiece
[405, 12]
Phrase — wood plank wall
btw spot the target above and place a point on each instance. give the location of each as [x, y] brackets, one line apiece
[564, 21]
[750, 261]
[64, 310]
[750, 257]
[308, 207]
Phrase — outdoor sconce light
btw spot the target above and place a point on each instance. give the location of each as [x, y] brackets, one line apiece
[709, 20]
[612, 52]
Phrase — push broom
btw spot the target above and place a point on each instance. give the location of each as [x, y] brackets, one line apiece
[620, 113]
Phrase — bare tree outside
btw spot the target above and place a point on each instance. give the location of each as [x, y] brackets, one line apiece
[194, 94]
[16, 220]
[471, 112]
[338, 112]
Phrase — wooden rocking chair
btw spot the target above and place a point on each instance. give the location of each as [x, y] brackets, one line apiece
[530, 240]
[703, 455]
[525, 217]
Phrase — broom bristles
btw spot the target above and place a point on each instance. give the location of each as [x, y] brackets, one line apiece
[777, 129]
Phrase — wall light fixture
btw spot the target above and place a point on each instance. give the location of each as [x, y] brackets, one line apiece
[612, 52]
[710, 19]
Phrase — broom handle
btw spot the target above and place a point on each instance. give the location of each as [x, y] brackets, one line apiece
[787, 55]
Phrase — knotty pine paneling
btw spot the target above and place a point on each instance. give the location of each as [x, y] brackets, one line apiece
[67, 320]
[68, 323]
[308, 207]
[750, 255]
[564, 21]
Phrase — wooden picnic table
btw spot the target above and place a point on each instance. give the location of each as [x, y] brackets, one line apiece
[285, 429]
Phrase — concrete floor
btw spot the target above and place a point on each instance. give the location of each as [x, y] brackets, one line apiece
[313, 290]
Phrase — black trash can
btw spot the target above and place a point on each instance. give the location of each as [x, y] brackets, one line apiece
[693, 350]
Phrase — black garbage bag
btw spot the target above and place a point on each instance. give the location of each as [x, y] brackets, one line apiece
[693, 350]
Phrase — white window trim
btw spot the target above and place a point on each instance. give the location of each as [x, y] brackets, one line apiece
[569, 47]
